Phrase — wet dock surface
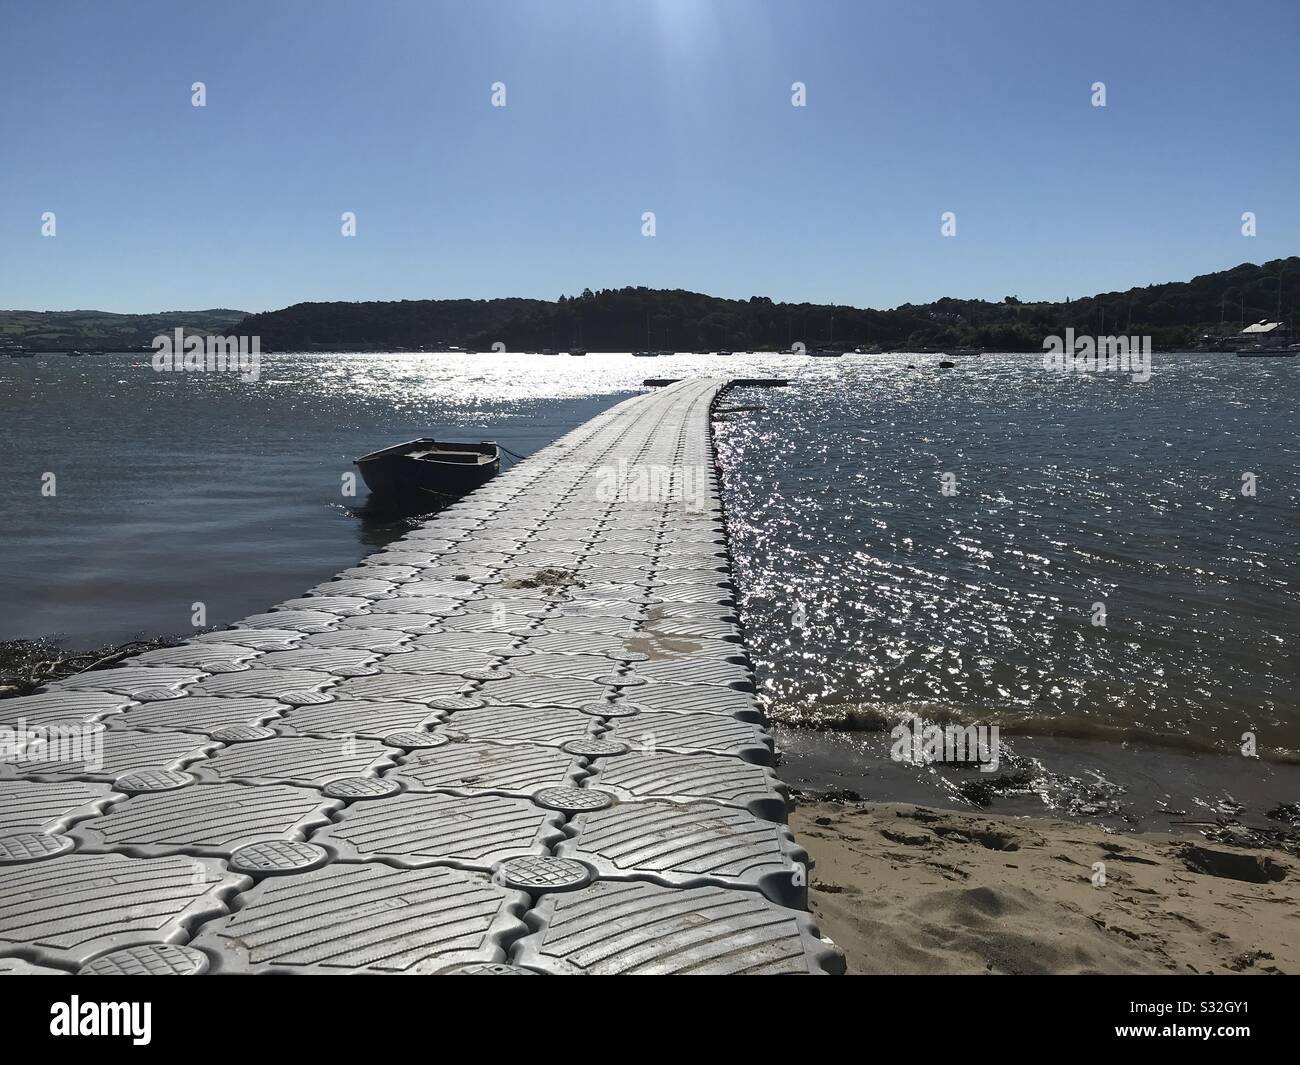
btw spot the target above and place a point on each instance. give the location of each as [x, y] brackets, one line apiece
[520, 739]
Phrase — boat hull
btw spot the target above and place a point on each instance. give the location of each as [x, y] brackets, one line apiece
[394, 475]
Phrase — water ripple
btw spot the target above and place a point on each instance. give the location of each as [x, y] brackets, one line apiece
[867, 592]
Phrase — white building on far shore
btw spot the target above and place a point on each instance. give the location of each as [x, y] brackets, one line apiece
[1263, 330]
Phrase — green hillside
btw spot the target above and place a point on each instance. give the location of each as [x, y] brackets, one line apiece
[1175, 315]
[64, 330]
[1178, 314]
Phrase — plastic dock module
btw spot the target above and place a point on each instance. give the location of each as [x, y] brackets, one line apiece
[520, 740]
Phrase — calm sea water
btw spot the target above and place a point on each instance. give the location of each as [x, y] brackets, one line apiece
[177, 488]
[1069, 491]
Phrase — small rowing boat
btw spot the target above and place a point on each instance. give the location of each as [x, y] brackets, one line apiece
[441, 467]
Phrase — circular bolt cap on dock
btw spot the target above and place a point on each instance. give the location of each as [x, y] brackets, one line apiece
[488, 674]
[627, 656]
[491, 968]
[455, 702]
[304, 698]
[149, 959]
[536, 874]
[622, 680]
[278, 857]
[242, 734]
[415, 741]
[610, 709]
[18, 848]
[358, 788]
[152, 780]
[157, 695]
[594, 748]
[573, 800]
[354, 671]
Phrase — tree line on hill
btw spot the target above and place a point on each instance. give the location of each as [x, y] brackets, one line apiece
[1175, 315]
[68, 330]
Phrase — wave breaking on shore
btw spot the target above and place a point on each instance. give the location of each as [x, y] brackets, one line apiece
[883, 717]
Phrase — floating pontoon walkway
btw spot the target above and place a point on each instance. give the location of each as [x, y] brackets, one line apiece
[520, 739]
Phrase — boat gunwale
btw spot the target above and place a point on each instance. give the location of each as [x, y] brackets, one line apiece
[487, 450]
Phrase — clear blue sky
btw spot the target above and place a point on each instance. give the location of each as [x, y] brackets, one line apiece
[615, 107]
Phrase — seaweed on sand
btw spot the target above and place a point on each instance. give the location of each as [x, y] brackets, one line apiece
[27, 664]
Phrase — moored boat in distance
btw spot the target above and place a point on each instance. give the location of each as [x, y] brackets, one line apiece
[961, 352]
[724, 353]
[1267, 353]
[578, 352]
[645, 354]
[406, 471]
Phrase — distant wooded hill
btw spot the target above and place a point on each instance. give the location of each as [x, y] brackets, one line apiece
[627, 319]
[1175, 315]
[67, 330]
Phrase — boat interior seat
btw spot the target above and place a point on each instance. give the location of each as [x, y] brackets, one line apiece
[437, 454]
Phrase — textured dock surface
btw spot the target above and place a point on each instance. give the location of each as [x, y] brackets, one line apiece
[521, 739]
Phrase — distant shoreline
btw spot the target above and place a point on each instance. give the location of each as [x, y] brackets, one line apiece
[1211, 308]
[918, 352]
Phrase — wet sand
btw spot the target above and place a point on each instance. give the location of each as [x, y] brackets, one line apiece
[907, 889]
[1120, 786]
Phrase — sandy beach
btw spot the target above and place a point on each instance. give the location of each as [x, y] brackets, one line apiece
[906, 889]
